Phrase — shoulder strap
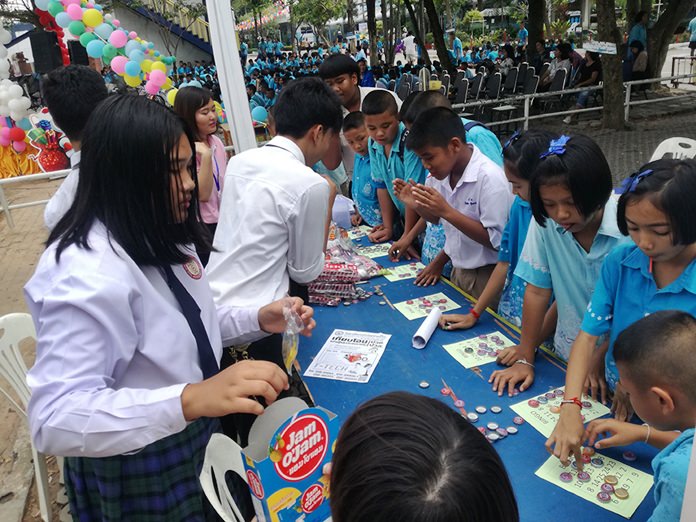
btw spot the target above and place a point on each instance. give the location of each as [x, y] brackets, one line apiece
[472, 124]
[402, 145]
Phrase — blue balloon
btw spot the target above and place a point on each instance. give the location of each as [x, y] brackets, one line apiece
[259, 114]
[131, 46]
[42, 4]
[95, 48]
[24, 124]
[63, 19]
[132, 68]
[103, 31]
[137, 56]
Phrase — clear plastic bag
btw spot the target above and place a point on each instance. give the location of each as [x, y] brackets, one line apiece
[291, 335]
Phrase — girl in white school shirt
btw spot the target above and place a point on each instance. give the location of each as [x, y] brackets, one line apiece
[127, 329]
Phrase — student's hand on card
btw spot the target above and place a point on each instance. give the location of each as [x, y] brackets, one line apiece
[430, 200]
[232, 390]
[356, 219]
[508, 356]
[567, 436]
[403, 192]
[380, 234]
[429, 276]
[595, 383]
[272, 319]
[607, 433]
[457, 321]
[402, 249]
[621, 404]
[521, 374]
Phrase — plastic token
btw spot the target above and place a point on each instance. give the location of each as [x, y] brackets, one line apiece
[469, 349]
[565, 476]
[424, 384]
[443, 300]
[409, 302]
[459, 403]
[597, 462]
[604, 497]
[586, 458]
[621, 493]
[586, 404]
[483, 336]
[481, 352]
[502, 432]
[493, 436]
[511, 430]
[480, 409]
[382, 302]
[346, 303]
[542, 400]
[607, 487]
[611, 479]
[583, 476]
[483, 345]
[496, 409]
[555, 409]
[472, 416]
[629, 456]
[442, 307]
[492, 426]
[550, 395]
[588, 450]
[533, 403]
[445, 391]
[482, 430]
[558, 393]
[518, 420]
[515, 392]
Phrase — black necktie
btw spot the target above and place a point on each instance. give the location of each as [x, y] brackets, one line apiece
[192, 313]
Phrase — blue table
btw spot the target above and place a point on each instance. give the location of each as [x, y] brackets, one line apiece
[403, 368]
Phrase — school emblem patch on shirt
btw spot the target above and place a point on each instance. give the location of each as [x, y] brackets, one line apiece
[193, 268]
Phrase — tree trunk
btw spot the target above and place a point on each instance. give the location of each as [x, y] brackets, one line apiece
[439, 37]
[535, 18]
[417, 32]
[350, 16]
[660, 35]
[607, 31]
[632, 8]
[372, 31]
[388, 31]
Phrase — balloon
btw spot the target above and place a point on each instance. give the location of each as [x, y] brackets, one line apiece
[171, 96]
[55, 7]
[146, 65]
[167, 84]
[68, 2]
[92, 18]
[259, 114]
[42, 4]
[104, 31]
[17, 134]
[131, 46]
[63, 19]
[76, 28]
[5, 36]
[19, 146]
[15, 91]
[24, 124]
[132, 35]
[118, 39]
[118, 64]
[4, 142]
[5, 133]
[157, 78]
[74, 11]
[137, 56]
[159, 66]
[151, 88]
[85, 38]
[109, 51]
[132, 81]
[95, 49]
[116, 23]
[132, 68]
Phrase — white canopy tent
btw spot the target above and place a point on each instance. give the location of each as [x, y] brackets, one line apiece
[223, 38]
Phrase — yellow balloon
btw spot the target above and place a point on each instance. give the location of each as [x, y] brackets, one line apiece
[92, 18]
[132, 81]
[146, 65]
[167, 84]
[171, 96]
[159, 66]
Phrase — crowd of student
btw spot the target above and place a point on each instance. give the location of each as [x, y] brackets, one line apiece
[146, 334]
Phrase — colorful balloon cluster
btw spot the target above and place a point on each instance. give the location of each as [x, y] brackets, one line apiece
[13, 106]
[129, 56]
[277, 10]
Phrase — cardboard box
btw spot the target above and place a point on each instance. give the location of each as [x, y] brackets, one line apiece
[284, 464]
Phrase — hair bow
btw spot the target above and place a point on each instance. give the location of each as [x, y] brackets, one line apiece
[557, 147]
[515, 136]
[631, 182]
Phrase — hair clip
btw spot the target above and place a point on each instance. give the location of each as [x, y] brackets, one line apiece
[557, 147]
[515, 136]
[631, 182]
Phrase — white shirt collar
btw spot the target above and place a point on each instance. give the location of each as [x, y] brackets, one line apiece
[287, 144]
[75, 159]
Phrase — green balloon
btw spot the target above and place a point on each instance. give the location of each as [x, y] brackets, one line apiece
[109, 51]
[55, 7]
[85, 38]
[76, 27]
[106, 61]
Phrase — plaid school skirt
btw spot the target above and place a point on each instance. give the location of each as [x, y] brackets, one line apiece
[159, 483]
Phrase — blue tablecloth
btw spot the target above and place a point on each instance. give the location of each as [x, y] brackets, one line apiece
[403, 368]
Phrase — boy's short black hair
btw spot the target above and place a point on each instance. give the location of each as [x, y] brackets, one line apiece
[379, 101]
[336, 65]
[291, 115]
[522, 152]
[71, 93]
[435, 127]
[583, 168]
[659, 349]
[353, 120]
[405, 105]
[423, 101]
[671, 187]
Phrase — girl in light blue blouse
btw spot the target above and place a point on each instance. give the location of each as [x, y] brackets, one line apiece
[658, 272]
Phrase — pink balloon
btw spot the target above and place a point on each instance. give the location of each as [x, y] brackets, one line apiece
[151, 88]
[5, 133]
[74, 12]
[118, 64]
[118, 39]
[90, 5]
[71, 2]
[158, 77]
[132, 35]
[115, 23]
[19, 146]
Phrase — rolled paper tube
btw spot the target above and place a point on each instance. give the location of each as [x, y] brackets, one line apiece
[422, 335]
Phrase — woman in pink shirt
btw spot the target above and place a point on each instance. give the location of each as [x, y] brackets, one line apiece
[195, 105]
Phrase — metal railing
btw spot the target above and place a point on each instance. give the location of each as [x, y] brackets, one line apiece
[683, 65]
[525, 101]
[181, 16]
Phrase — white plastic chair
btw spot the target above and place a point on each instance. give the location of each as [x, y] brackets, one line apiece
[222, 455]
[14, 328]
[676, 148]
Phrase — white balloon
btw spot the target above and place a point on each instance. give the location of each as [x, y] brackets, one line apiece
[4, 74]
[4, 98]
[16, 116]
[25, 103]
[4, 110]
[5, 36]
[3, 52]
[4, 66]
[15, 91]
